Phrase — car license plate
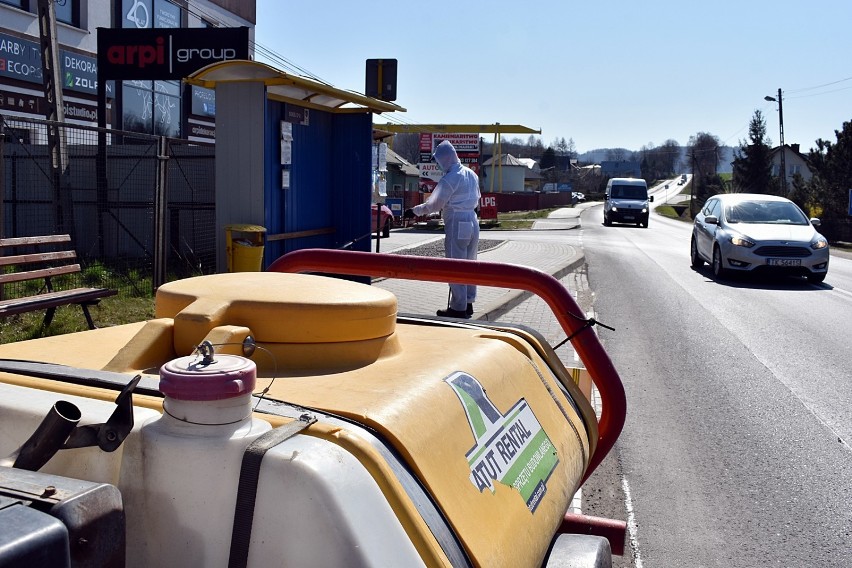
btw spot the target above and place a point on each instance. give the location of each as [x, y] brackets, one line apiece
[628, 216]
[784, 262]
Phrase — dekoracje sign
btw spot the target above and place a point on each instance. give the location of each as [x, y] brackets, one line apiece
[21, 59]
[511, 448]
[164, 54]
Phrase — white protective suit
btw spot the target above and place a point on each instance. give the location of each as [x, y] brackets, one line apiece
[456, 196]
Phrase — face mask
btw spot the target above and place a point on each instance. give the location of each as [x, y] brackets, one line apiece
[440, 167]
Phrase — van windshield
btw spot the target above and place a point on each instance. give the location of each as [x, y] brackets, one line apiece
[628, 192]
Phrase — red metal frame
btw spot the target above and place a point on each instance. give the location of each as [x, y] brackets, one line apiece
[429, 269]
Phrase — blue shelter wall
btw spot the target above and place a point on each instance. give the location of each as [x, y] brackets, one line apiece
[330, 178]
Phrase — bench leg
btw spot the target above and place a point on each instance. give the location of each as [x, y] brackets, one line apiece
[88, 316]
[48, 317]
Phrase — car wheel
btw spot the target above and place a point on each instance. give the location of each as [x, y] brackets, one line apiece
[607, 222]
[387, 228]
[696, 260]
[817, 278]
[718, 268]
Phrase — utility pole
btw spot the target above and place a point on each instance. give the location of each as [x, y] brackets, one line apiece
[782, 148]
[55, 113]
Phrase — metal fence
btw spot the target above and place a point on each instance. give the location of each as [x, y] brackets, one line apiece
[140, 209]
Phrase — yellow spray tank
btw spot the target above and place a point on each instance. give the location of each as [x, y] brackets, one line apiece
[280, 418]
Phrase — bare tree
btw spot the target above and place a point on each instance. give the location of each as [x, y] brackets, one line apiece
[617, 154]
[407, 145]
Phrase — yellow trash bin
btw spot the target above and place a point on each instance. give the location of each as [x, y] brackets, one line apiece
[244, 247]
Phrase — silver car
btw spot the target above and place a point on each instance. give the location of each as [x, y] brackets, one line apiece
[752, 232]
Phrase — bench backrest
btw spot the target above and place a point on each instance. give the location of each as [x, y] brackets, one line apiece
[36, 258]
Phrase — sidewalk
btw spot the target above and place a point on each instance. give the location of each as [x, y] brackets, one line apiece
[501, 304]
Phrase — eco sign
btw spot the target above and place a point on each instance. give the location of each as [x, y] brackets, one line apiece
[511, 448]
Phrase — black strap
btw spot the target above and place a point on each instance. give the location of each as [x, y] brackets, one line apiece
[247, 490]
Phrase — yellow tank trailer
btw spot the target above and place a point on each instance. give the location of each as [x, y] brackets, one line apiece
[287, 419]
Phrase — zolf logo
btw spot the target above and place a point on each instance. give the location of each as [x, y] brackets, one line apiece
[138, 14]
[138, 55]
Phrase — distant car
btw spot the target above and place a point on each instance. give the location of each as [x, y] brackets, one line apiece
[386, 221]
[577, 196]
[751, 232]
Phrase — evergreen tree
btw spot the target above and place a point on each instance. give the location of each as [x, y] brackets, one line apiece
[832, 167]
[548, 159]
[752, 162]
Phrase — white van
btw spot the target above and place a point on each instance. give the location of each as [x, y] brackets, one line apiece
[626, 201]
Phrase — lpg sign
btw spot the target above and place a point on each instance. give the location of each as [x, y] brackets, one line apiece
[488, 207]
[149, 54]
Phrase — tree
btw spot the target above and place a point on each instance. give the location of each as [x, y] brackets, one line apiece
[831, 164]
[658, 162]
[407, 145]
[704, 156]
[548, 159]
[571, 149]
[752, 162]
[617, 154]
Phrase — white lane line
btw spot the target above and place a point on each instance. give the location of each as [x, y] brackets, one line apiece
[842, 291]
[632, 529]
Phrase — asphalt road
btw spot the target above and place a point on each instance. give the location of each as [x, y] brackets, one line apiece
[736, 451]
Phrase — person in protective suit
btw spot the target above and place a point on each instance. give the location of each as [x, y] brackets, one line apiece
[457, 197]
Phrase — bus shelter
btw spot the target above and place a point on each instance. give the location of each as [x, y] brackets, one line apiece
[293, 155]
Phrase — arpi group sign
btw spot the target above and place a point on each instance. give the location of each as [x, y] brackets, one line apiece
[166, 54]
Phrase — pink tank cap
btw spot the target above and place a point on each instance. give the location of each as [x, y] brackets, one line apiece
[193, 378]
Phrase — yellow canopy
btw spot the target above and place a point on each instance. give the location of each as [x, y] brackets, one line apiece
[289, 88]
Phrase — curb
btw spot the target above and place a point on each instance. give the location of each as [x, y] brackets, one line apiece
[513, 298]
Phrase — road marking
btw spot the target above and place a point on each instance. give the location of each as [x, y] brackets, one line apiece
[842, 291]
[632, 529]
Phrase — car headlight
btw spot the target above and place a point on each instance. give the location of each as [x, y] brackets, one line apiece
[820, 243]
[644, 210]
[614, 208]
[741, 241]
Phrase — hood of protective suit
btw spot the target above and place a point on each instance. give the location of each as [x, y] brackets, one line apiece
[445, 155]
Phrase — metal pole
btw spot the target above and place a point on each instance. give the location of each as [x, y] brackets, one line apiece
[55, 113]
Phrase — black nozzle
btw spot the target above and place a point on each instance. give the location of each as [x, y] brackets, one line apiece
[48, 437]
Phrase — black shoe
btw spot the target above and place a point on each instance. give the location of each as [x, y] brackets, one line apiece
[469, 310]
[451, 313]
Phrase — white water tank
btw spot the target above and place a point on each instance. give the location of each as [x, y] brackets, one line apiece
[190, 457]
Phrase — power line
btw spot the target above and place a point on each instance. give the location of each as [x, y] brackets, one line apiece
[820, 86]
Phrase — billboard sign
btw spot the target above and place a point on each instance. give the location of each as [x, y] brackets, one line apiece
[166, 54]
[467, 148]
[21, 59]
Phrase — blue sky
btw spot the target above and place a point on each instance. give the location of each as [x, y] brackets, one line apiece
[627, 75]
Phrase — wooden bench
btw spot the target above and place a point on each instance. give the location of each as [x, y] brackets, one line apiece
[38, 264]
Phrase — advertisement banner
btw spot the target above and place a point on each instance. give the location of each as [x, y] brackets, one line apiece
[166, 54]
[21, 59]
[467, 148]
[36, 104]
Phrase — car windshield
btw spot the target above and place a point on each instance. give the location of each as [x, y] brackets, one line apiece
[776, 212]
[628, 192]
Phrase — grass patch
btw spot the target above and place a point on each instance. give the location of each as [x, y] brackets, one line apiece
[116, 310]
[517, 220]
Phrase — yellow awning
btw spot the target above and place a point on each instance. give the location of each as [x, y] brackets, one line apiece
[289, 88]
